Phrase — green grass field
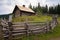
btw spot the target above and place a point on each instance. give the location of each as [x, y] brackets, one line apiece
[42, 18]
[59, 19]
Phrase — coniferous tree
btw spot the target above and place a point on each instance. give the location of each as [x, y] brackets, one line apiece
[58, 9]
[51, 10]
[46, 9]
[39, 5]
[30, 6]
[55, 9]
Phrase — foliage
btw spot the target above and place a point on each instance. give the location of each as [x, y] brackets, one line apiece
[30, 6]
[41, 9]
[45, 9]
[41, 18]
[4, 16]
[55, 9]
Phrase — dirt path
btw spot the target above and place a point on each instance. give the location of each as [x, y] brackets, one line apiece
[58, 38]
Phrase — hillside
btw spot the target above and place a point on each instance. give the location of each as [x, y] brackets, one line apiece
[42, 18]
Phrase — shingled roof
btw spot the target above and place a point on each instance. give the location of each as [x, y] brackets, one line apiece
[23, 8]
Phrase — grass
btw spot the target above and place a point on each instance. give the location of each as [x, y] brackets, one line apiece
[42, 18]
[59, 19]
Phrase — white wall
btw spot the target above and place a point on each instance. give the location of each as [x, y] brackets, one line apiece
[10, 18]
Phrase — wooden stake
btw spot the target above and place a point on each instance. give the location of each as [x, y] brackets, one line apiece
[10, 30]
[1, 31]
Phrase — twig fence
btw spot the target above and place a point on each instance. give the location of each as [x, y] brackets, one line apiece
[8, 30]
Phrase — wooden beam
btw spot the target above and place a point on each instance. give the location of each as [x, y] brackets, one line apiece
[10, 31]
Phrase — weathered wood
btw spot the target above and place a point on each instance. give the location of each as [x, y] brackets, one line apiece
[1, 31]
[10, 31]
[28, 28]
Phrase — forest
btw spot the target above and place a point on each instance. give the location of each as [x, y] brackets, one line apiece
[45, 9]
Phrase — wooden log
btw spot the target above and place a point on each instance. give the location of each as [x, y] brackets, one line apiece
[10, 31]
[50, 27]
[1, 31]
[26, 28]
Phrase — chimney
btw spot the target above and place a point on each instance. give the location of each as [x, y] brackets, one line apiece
[23, 5]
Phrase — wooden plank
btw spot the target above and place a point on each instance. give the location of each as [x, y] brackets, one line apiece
[18, 25]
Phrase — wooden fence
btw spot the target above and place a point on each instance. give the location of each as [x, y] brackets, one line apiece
[9, 30]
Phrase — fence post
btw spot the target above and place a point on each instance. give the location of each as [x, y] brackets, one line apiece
[55, 19]
[26, 28]
[10, 30]
[1, 31]
[46, 29]
[50, 27]
[56, 22]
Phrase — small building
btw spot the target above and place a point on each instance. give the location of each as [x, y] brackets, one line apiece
[22, 11]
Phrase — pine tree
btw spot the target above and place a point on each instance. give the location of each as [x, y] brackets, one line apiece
[46, 9]
[30, 6]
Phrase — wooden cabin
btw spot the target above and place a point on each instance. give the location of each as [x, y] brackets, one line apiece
[22, 11]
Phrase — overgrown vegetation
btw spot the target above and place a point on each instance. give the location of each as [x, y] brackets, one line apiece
[42, 18]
